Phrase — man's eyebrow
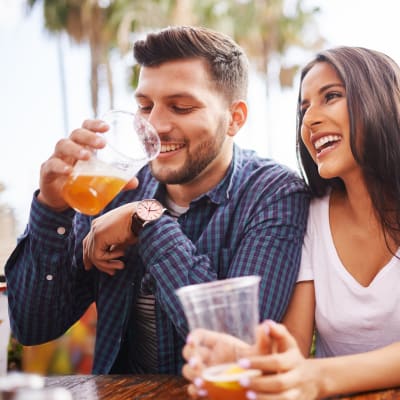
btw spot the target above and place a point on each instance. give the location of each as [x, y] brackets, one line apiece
[139, 95]
[178, 95]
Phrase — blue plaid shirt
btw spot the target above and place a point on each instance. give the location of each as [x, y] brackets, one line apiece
[252, 222]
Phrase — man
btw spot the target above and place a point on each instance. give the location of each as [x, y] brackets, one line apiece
[229, 213]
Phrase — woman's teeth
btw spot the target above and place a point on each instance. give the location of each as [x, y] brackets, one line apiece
[320, 143]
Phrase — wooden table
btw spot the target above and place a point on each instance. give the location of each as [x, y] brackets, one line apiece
[160, 387]
[122, 387]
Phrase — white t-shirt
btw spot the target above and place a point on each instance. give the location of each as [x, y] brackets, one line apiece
[349, 317]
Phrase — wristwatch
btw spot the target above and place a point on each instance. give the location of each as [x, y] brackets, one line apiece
[147, 210]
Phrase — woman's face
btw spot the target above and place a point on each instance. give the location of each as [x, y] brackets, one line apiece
[325, 128]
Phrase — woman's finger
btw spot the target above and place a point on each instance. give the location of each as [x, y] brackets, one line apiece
[276, 362]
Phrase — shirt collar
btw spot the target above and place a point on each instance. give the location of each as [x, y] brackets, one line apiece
[220, 193]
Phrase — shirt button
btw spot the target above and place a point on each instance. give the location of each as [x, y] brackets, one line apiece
[61, 230]
[49, 277]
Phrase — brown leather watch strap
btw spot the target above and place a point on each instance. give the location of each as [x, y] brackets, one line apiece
[136, 225]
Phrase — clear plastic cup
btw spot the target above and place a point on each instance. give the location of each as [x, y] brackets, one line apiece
[229, 306]
[131, 142]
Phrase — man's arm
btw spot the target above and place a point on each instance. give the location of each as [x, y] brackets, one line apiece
[47, 292]
[270, 247]
[259, 231]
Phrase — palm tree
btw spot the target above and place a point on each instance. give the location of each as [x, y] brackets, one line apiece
[265, 29]
[101, 24]
[262, 27]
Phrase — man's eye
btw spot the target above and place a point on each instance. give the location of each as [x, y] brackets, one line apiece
[182, 110]
[144, 109]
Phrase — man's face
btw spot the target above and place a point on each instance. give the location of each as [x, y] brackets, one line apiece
[190, 116]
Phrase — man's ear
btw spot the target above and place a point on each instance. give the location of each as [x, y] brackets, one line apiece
[238, 117]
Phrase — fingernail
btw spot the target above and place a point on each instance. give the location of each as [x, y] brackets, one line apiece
[245, 381]
[198, 382]
[193, 362]
[250, 395]
[84, 153]
[202, 392]
[244, 363]
[100, 141]
[103, 125]
[189, 339]
[271, 322]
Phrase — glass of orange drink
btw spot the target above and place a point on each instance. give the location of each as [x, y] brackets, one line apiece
[229, 306]
[131, 142]
[222, 381]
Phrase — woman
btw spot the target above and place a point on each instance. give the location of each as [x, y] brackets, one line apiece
[348, 141]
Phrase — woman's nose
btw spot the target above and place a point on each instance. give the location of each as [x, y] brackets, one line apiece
[312, 117]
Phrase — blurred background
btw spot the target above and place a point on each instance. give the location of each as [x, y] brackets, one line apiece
[63, 61]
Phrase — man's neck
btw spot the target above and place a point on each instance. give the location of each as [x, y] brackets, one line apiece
[210, 177]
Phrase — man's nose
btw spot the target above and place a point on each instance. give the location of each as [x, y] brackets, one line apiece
[160, 119]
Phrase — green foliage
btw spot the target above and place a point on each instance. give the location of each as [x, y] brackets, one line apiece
[134, 78]
[263, 27]
[14, 355]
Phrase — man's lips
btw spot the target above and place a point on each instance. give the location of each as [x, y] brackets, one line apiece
[167, 147]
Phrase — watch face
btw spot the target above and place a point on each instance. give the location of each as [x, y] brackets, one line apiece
[149, 210]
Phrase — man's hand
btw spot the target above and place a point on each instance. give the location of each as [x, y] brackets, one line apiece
[108, 238]
[54, 172]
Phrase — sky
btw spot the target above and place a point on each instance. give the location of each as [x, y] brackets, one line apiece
[31, 115]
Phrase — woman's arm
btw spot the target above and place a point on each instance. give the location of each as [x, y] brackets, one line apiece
[299, 317]
[307, 379]
[372, 370]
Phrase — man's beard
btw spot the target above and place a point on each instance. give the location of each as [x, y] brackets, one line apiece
[195, 163]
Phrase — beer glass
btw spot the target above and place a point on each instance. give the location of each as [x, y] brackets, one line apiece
[131, 142]
[229, 306]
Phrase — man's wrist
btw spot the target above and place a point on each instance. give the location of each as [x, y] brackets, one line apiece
[42, 200]
[147, 211]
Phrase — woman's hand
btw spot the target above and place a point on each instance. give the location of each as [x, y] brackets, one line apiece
[205, 348]
[286, 373]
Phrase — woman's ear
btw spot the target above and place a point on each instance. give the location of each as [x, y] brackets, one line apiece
[238, 111]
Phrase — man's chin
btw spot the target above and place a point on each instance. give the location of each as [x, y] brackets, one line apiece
[171, 177]
[165, 176]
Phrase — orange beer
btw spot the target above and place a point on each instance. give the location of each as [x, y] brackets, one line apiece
[222, 381]
[89, 194]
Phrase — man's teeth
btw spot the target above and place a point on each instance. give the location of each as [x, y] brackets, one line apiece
[165, 148]
[324, 140]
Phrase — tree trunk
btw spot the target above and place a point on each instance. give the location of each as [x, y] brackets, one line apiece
[110, 85]
[96, 53]
[182, 13]
[94, 77]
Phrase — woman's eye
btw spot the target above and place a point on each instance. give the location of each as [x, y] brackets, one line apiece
[332, 95]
